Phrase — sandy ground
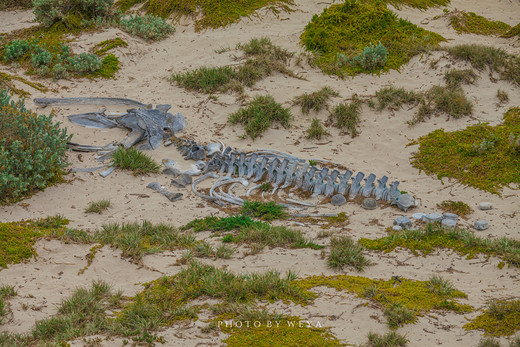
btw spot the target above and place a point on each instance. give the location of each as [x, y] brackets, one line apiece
[380, 148]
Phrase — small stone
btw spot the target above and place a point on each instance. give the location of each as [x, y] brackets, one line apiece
[369, 204]
[397, 228]
[403, 221]
[451, 216]
[182, 181]
[154, 185]
[485, 206]
[418, 216]
[432, 217]
[481, 224]
[449, 223]
[338, 200]
[173, 196]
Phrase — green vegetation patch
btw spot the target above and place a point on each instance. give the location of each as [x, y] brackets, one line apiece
[460, 208]
[267, 211]
[259, 114]
[32, 150]
[315, 101]
[496, 59]
[479, 156]
[394, 98]
[351, 29]
[514, 31]
[97, 206]
[256, 234]
[390, 339]
[137, 239]
[285, 332]
[134, 160]
[501, 318]
[420, 4]
[469, 22]
[6, 292]
[263, 58]
[7, 82]
[103, 47]
[316, 130]
[434, 237]
[207, 13]
[13, 4]
[148, 27]
[18, 238]
[400, 297]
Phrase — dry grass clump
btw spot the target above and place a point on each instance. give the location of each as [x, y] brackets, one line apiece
[316, 130]
[98, 206]
[134, 160]
[346, 116]
[315, 101]
[460, 208]
[346, 252]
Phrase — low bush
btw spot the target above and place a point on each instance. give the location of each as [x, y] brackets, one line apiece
[72, 13]
[148, 27]
[32, 149]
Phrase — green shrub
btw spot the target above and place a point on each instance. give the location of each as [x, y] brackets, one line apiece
[134, 160]
[10, 4]
[345, 251]
[149, 27]
[514, 31]
[267, 211]
[371, 58]
[350, 28]
[32, 149]
[72, 13]
[85, 63]
[41, 57]
[16, 49]
[260, 113]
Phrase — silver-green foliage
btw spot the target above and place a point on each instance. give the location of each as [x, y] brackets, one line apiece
[85, 62]
[16, 49]
[49, 12]
[32, 149]
[148, 27]
[372, 57]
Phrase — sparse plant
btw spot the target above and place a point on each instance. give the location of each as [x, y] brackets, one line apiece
[398, 315]
[148, 27]
[224, 252]
[72, 13]
[371, 291]
[316, 130]
[469, 22]
[267, 211]
[346, 116]
[390, 339]
[345, 251]
[315, 101]
[488, 342]
[97, 206]
[393, 98]
[134, 160]
[443, 100]
[502, 317]
[454, 78]
[503, 97]
[260, 113]
[439, 285]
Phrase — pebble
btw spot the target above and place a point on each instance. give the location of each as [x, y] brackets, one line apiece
[485, 206]
[449, 223]
[397, 228]
[338, 200]
[451, 216]
[432, 217]
[481, 224]
[403, 221]
[369, 204]
[418, 216]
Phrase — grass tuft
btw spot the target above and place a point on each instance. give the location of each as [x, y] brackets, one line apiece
[346, 116]
[316, 130]
[345, 251]
[267, 211]
[503, 97]
[97, 206]
[259, 114]
[315, 101]
[443, 100]
[393, 98]
[438, 285]
[398, 315]
[454, 78]
[390, 339]
[134, 160]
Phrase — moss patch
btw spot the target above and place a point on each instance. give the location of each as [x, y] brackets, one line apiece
[103, 47]
[18, 238]
[415, 296]
[7, 80]
[501, 318]
[420, 4]
[350, 27]
[460, 208]
[435, 237]
[514, 31]
[469, 22]
[480, 156]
